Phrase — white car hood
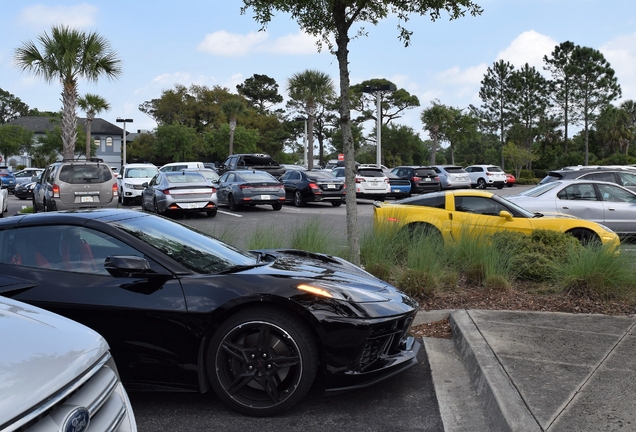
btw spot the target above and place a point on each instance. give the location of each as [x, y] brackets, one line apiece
[40, 353]
[136, 180]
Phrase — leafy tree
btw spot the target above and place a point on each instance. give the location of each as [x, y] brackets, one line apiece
[497, 95]
[629, 106]
[93, 105]
[245, 141]
[261, 91]
[531, 100]
[401, 145]
[233, 109]
[69, 55]
[142, 149]
[11, 107]
[461, 128]
[309, 91]
[392, 105]
[13, 138]
[560, 67]
[331, 21]
[178, 142]
[53, 142]
[436, 119]
[518, 156]
[595, 86]
[614, 129]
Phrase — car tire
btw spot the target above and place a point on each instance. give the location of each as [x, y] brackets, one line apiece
[481, 183]
[425, 230]
[211, 213]
[585, 236]
[510, 184]
[154, 206]
[242, 359]
[298, 199]
[336, 203]
[21, 198]
[231, 203]
[381, 198]
[125, 201]
[35, 208]
[500, 186]
[277, 206]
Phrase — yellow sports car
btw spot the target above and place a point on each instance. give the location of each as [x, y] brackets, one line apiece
[453, 213]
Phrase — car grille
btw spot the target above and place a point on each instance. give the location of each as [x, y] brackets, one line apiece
[384, 339]
[138, 187]
[99, 390]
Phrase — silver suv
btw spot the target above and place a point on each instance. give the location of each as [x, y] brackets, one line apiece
[72, 185]
[57, 374]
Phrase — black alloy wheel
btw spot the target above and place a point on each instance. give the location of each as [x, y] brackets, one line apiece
[481, 183]
[231, 203]
[298, 199]
[585, 236]
[262, 361]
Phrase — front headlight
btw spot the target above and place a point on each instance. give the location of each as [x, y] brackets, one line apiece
[129, 186]
[349, 294]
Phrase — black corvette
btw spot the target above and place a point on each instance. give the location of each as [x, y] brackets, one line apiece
[183, 310]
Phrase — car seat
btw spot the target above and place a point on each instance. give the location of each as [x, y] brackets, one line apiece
[587, 196]
[76, 253]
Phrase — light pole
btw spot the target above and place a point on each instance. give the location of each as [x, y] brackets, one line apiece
[378, 127]
[304, 141]
[124, 121]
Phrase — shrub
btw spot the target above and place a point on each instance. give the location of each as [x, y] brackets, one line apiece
[526, 174]
[526, 181]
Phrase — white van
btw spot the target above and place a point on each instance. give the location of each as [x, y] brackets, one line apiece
[178, 166]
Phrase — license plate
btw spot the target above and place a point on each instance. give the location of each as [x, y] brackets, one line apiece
[86, 199]
[266, 197]
[427, 179]
[374, 183]
[331, 186]
[192, 205]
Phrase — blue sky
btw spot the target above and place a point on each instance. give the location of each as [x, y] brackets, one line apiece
[162, 43]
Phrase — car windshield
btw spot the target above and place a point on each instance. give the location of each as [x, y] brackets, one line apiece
[184, 177]
[516, 209]
[454, 169]
[323, 175]
[366, 172]
[258, 177]
[494, 169]
[79, 174]
[141, 172]
[192, 249]
[539, 189]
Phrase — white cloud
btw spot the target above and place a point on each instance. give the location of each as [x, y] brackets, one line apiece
[228, 44]
[42, 16]
[621, 54]
[167, 81]
[529, 47]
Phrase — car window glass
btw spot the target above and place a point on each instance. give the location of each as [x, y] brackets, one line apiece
[616, 194]
[424, 172]
[494, 169]
[435, 200]
[478, 205]
[185, 177]
[365, 172]
[601, 176]
[584, 191]
[50, 178]
[627, 179]
[454, 170]
[62, 247]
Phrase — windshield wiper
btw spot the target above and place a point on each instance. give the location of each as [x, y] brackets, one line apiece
[240, 268]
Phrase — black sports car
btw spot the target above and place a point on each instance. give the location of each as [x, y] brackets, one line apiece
[184, 310]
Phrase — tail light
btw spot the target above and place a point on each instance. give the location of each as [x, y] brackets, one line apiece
[281, 186]
[416, 179]
[241, 187]
[314, 186]
[213, 190]
[359, 180]
[489, 173]
[115, 190]
[56, 191]
[386, 180]
[166, 191]
[437, 178]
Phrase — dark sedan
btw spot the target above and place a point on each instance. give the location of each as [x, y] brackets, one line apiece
[183, 310]
[240, 188]
[24, 190]
[423, 178]
[313, 186]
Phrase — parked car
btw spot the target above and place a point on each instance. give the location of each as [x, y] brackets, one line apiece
[74, 185]
[302, 187]
[372, 183]
[210, 175]
[451, 214]
[289, 167]
[624, 176]
[254, 162]
[131, 180]
[423, 178]
[4, 200]
[24, 191]
[26, 175]
[56, 374]
[452, 177]
[173, 192]
[7, 179]
[239, 188]
[184, 310]
[482, 176]
[606, 203]
[180, 166]
[510, 180]
[400, 188]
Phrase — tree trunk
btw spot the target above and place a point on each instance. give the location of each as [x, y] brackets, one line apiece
[89, 122]
[69, 119]
[342, 40]
[310, 142]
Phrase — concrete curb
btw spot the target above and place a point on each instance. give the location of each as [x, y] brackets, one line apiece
[502, 402]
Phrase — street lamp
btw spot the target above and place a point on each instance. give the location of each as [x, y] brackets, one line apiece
[305, 164]
[378, 100]
[124, 121]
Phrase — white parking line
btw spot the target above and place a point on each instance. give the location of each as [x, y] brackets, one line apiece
[230, 214]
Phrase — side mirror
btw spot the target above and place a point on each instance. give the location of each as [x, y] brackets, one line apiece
[119, 176]
[144, 184]
[505, 214]
[127, 266]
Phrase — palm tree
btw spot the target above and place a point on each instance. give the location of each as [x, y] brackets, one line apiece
[307, 90]
[93, 105]
[68, 55]
[232, 109]
[435, 119]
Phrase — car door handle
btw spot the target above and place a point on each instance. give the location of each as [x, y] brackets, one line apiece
[565, 208]
[611, 209]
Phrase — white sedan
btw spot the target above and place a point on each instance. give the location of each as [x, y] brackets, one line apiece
[4, 201]
[606, 203]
